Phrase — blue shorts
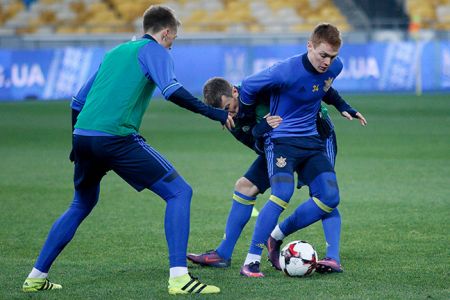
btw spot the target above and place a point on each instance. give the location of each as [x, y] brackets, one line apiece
[258, 175]
[130, 157]
[305, 155]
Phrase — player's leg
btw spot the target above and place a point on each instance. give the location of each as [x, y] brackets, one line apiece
[332, 230]
[324, 199]
[254, 181]
[280, 167]
[143, 167]
[331, 222]
[88, 173]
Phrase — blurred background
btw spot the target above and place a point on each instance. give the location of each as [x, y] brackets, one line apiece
[48, 48]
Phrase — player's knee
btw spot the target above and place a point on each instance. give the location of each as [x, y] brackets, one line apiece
[324, 188]
[282, 186]
[86, 198]
[172, 186]
[246, 187]
[284, 194]
[331, 197]
[185, 189]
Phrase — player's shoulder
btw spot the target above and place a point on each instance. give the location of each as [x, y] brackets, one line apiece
[287, 69]
[152, 51]
[292, 60]
[336, 66]
[150, 45]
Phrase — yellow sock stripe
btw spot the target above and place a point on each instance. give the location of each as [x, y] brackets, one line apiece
[322, 206]
[243, 201]
[278, 201]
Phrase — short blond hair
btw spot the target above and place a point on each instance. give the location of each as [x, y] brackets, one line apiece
[326, 33]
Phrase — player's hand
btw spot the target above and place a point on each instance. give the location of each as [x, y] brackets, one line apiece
[360, 117]
[273, 121]
[230, 122]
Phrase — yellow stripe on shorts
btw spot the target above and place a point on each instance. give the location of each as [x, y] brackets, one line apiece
[278, 201]
[322, 206]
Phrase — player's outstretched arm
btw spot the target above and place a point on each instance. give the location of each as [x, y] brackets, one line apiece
[184, 99]
[332, 97]
[357, 115]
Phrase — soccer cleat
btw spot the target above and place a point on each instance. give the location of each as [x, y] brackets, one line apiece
[328, 265]
[273, 252]
[188, 284]
[39, 284]
[251, 270]
[211, 259]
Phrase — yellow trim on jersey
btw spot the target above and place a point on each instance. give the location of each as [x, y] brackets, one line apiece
[243, 201]
[322, 206]
[278, 201]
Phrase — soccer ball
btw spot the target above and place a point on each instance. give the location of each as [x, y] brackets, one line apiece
[298, 258]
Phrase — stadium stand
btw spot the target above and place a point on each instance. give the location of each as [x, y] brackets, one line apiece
[431, 14]
[111, 16]
[387, 14]
[221, 16]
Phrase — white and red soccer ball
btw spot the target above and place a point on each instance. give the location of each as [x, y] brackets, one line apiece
[298, 258]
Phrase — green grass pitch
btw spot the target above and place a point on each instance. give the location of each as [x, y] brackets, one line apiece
[394, 178]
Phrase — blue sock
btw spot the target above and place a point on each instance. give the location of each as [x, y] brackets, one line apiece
[332, 229]
[306, 214]
[65, 227]
[265, 223]
[282, 185]
[238, 217]
[177, 193]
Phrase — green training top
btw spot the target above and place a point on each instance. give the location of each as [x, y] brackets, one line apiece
[120, 93]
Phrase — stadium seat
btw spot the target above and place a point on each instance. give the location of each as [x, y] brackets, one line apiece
[432, 14]
[232, 16]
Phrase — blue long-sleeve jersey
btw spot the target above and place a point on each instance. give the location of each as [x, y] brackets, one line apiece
[296, 90]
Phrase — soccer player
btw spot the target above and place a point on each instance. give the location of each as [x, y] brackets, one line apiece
[218, 92]
[111, 106]
[296, 86]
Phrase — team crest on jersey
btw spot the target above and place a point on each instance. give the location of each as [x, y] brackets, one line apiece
[328, 83]
[281, 162]
[315, 88]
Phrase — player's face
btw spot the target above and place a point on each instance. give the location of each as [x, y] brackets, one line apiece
[231, 104]
[168, 37]
[321, 56]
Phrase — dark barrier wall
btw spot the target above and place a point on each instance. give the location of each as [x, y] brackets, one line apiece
[375, 67]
